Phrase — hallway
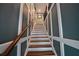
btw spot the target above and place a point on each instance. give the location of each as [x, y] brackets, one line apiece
[39, 29]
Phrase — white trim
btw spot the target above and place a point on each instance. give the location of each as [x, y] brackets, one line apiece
[39, 33]
[28, 22]
[38, 36]
[52, 31]
[46, 20]
[27, 34]
[69, 42]
[6, 43]
[27, 43]
[53, 49]
[26, 51]
[19, 45]
[20, 28]
[4, 46]
[51, 23]
[31, 17]
[60, 28]
[48, 14]
[50, 9]
[20, 19]
[59, 20]
[39, 39]
[40, 49]
[22, 40]
[18, 49]
[45, 24]
[39, 43]
[27, 31]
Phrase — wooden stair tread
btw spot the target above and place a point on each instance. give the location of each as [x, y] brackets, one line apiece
[39, 40]
[40, 53]
[39, 36]
[37, 46]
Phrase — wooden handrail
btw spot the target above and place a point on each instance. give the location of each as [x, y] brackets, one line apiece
[15, 41]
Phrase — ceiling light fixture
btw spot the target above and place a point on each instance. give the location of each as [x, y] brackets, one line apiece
[33, 10]
[39, 10]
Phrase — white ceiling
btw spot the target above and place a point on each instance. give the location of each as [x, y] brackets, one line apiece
[41, 6]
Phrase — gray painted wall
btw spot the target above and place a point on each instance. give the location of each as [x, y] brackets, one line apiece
[70, 51]
[57, 47]
[70, 19]
[14, 51]
[55, 29]
[9, 14]
[55, 21]
[24, 24]
[70, 22]
[23, 48]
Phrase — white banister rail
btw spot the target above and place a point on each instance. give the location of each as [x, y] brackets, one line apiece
[69, 42]
[5, 45]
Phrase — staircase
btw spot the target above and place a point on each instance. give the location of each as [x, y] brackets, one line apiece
[39, 43]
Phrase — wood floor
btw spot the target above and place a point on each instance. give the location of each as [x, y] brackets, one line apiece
[40, 53]
[38, 46]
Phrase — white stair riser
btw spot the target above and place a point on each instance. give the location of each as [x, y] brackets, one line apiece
[39, 35]
[35, 35]
[40, 49]
[39, 39]
[39, 43]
